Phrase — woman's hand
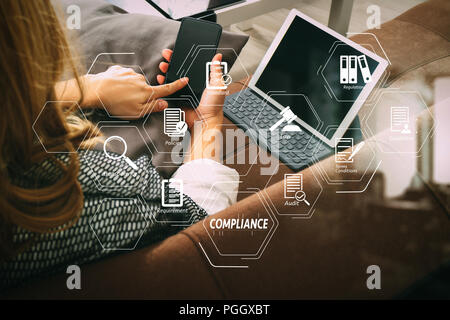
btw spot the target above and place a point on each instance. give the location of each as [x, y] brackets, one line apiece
[126, 94]
[210, 109]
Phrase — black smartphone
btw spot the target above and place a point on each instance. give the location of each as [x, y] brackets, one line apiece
[196, 44]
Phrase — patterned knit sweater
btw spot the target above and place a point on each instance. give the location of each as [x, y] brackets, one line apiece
[122, 211]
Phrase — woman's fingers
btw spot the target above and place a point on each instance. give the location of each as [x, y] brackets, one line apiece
[167, 54]
[217, 57]
[160, 79]
[216, 68]
[160, 105]
[115, 67]
[215, 75]
[155, 106]
[121, 70]
[163, 66]
[169, 88]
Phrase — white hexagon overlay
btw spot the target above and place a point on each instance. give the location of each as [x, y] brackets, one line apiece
[259, 247]
[46, 105]
[108, 187]
[292, 206]
[194, 52]
[139, 205]
[402, 108]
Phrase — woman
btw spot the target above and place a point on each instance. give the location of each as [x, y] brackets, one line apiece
[52, 213]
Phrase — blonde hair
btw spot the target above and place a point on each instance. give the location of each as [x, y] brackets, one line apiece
[34, 56]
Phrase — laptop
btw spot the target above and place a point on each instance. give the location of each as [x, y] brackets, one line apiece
[306, 92]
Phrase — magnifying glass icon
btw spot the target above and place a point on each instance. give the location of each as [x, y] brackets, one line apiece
[301, 196]
[114, 157]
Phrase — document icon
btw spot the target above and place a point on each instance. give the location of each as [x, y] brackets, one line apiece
[292, 184]
[400, 120]
[172, 196]
[343, 150]
[174, 125]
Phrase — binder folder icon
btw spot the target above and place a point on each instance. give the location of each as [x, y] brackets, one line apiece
[344, 69]
[353, 70]
[362, 61]
[348, 69]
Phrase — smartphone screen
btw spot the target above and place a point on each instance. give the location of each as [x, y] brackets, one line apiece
[195, 46]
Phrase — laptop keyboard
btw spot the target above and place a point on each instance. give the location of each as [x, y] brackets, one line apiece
[297, 150]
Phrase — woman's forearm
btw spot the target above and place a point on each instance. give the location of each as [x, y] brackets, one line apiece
[69, 91]
[206, 141]
[206, 180]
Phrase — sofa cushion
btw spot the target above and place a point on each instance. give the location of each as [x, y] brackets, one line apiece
[415, 38]
[432, 15]
[107, 28]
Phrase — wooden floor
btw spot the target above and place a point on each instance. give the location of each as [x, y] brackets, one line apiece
[263, 29]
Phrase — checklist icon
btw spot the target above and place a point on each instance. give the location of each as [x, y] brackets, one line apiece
[172, 193]
[292, 184]
[293, 188]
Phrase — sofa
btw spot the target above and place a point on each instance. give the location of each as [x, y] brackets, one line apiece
[324, 254]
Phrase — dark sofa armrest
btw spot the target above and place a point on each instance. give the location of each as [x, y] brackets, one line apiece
[325, 256]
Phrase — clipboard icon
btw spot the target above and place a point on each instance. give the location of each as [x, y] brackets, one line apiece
[172, 117]
[170, 197]
[226, 78]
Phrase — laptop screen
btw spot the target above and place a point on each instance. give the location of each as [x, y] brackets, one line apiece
[304, 62]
